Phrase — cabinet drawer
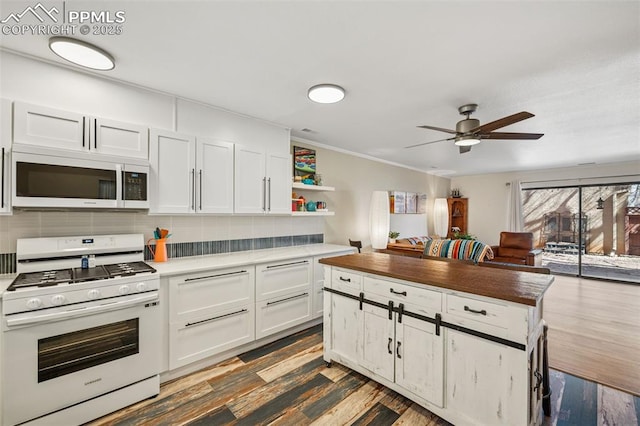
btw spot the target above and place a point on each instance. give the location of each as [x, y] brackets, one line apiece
[277, 279]
[427, 299]
[210, 291]
[203, 336]
[478, 310]
[347, 282]
[283, 312]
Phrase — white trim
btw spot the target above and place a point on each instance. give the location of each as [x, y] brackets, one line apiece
[590, 181]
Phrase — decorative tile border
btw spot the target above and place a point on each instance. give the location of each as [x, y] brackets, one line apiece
[199, 248]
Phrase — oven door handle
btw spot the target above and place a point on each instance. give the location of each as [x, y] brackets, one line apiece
[57, 316]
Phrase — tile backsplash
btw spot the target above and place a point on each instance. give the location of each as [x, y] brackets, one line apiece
[189, 234]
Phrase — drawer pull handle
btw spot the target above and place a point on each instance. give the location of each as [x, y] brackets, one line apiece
[401, 293]
[288, 298]
[398, 350]
[348, 280]
[389, 346]
[189, 324]
[215, 276]
[283, 265]
[468, 309]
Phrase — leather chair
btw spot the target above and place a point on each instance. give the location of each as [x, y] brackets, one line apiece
[517, 248]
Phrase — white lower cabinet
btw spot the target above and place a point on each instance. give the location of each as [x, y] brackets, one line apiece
[209, 313]
[283, 295]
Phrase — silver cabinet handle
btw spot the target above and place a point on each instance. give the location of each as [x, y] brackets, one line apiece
[269, 197]
[264, 194]
[84, 130]
[283, 265]
[216, 276]
[193, 189]
[288, 298]
[189, 324]
[200, 200]
[2, 190]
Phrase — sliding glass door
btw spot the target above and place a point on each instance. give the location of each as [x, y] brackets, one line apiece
[590, 231]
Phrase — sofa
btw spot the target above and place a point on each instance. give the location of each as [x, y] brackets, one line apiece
[517, 248]
[468, 250]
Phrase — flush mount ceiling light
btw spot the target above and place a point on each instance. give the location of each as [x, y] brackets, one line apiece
[81, 53]
[326, 93]
[467, 141]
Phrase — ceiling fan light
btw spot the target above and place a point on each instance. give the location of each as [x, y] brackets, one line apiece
[467, 141]
[81, 53]
[326, 93]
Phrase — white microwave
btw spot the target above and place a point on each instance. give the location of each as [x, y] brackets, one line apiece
[45, 181]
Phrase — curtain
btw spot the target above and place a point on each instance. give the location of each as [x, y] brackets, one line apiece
[515, 220]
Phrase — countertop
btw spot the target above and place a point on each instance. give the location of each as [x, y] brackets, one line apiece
[229, 260]
[226, 260]
[520, 287]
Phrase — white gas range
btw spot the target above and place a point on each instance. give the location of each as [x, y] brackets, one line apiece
[80, 328]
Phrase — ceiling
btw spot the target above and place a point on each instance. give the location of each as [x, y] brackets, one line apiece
[574, 64]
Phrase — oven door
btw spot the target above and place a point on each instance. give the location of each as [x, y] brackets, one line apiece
[54, 364]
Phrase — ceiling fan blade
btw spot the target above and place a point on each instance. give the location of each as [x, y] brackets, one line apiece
[502, 122]
[440, 129]
[427, 143]
[464, 149]
[514, 136]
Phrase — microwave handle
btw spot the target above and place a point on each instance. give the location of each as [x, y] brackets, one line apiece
[120, 184]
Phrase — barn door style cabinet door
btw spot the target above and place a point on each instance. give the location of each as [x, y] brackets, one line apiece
[262, 181]
[190, 175]
[52, 128]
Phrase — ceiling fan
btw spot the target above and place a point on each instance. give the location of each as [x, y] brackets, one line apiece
[469, 132]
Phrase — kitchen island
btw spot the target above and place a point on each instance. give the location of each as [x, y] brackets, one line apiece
[465, 342]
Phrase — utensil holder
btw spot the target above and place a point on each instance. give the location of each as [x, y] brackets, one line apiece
[160, 253]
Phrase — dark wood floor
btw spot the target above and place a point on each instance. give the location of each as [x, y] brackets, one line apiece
[287, 383]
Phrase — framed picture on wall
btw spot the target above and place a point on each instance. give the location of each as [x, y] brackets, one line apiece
[422, 204]
[304, 162]
[399, 205]
[411, 203]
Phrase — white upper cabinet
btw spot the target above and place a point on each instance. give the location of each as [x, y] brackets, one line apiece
[5, 156]
[53, 128]
[262, 181]
[214, 172]
[190, 175]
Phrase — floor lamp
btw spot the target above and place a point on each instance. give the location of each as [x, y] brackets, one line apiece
[379, 219]
[441, 217]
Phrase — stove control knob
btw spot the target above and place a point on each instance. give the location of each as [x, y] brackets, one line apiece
[124, 289]
[58, 300]
[34, 303]
[141, 286]
[93, 293]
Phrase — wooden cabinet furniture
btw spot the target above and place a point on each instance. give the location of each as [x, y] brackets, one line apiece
[262, 181]
[5, 156]
[209, 313]
[458, 215]
[463, 342]
[57, 129]
[189, 174]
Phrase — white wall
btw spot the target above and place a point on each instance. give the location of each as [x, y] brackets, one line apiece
[355, 178]
[488, 194]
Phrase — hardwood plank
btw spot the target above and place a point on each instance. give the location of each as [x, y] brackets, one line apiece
[251, 401]
[418, 415]
[219, 416]
[395, 401]
[270, 411]
[329, 396]
[282, 353]
[352, 407]
[336, 372]
[378, 415]
[590, 321]
[615, 407]
[283, 367]
[292, 416]
[579, 403]
[279, 344]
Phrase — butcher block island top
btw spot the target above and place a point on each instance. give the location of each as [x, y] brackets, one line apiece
[526, 288]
